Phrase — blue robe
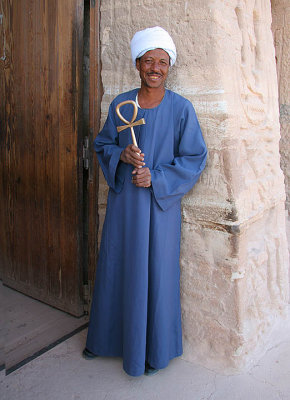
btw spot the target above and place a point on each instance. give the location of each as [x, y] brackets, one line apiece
[135, 310]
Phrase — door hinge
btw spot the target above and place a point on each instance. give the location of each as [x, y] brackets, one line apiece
[86, 153]
[86, 298]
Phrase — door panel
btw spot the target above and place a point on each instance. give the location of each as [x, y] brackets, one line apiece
[41, 151]
[95, 94]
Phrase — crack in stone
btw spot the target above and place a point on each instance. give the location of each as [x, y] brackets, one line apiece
[214, 390]
[265, 382]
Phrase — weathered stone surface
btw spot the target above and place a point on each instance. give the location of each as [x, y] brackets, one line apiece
[281, 33]
[234, 280]
[237, 279]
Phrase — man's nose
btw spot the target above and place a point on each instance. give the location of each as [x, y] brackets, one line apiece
[155, 66]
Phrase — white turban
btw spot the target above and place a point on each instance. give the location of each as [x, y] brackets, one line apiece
[150, 39]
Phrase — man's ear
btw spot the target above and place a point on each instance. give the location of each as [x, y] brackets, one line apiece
[138, 64]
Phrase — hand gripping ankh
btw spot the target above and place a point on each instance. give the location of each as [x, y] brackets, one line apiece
[130, 124]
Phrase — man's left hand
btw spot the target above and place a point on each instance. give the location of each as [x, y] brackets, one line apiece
[141, 177]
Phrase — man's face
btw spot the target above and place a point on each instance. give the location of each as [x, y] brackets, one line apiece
[153, 68]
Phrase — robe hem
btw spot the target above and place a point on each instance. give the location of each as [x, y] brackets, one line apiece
[156, 366]
[136, 374]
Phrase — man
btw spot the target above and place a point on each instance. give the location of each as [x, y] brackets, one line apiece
[135, 311]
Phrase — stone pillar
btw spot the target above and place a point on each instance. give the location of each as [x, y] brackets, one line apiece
[233, 249]
[281, 33]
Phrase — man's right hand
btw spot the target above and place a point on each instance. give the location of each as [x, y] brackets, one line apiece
[132, 155]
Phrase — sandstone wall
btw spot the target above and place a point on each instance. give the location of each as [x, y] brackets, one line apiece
[281, 33]
[233, 250]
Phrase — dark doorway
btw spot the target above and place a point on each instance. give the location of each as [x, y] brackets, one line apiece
[49, 180]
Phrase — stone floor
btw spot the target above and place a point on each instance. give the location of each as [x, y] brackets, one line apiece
[32, 327]
[62, 374]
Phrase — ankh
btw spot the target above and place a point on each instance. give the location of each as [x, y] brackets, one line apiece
[130, 124]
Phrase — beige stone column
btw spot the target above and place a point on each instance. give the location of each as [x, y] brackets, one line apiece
[233, 249]
[281, 33]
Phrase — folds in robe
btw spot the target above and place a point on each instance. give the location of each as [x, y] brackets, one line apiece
[135, 311]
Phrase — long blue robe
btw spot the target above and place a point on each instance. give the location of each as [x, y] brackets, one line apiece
[135, 310]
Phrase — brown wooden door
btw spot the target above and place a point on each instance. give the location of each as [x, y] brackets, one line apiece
[42, 204]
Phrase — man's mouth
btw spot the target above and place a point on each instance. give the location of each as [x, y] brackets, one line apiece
[154, 76]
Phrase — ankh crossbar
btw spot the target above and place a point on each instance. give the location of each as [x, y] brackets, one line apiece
[130, 124]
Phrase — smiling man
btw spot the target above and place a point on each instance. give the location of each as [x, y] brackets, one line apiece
[135, 310]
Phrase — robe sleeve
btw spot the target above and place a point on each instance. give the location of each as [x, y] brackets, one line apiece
[171, 181]
[108, 152]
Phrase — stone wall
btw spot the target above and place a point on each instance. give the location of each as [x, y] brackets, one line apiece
[233, 249]
[281, 33]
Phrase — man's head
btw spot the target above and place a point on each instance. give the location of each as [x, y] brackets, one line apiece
[153, 68]
[151, 39]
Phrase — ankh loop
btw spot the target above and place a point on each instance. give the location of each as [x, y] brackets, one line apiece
[129, 124]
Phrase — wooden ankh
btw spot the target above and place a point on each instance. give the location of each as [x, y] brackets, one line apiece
[129, 124]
